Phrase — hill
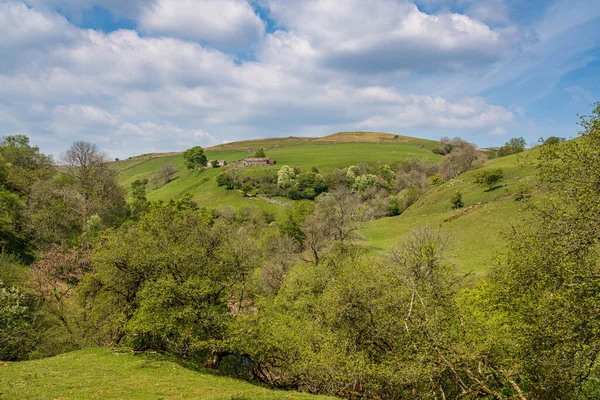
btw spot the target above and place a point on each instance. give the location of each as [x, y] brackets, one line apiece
[335, 151]
[475, 229]
[340, 137]
[102, 374]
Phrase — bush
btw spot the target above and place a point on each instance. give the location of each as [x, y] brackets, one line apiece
[513, 146]
[457, 201]
[522, 192]
[436, 180]
[490, 177]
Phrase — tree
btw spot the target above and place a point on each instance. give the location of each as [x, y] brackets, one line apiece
[165, 174]
[460, 160]
[260, 154]
[139, 204]
[22, 164]
[194, 158]
[456, 200]
[552, 140]
[342, 212]
[214, 163]
[169, 288]
[286, 177]
[86, 170]
[490, 177]
[17, 329]
[513, 146]
[542, 294]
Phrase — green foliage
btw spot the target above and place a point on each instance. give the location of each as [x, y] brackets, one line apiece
[394, 207]
[513, 146]
[194, 158]
[214, 163]
[552, 140]
[523, 192]
[16, 324]
[286, 177]
[260, 153]
[364, 182]
[490, 177]
[292, 221]
[436, 180]
[456, 200]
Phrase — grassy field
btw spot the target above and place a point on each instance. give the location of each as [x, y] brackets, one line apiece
[477, 229]
[102, 374]
[335, 151]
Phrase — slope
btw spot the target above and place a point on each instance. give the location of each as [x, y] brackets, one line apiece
[335, 151]
[476, 230]
[102, 374]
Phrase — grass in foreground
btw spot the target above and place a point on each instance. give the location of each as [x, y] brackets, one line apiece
[102, 374]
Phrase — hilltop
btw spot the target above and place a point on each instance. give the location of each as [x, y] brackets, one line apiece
[336, 138]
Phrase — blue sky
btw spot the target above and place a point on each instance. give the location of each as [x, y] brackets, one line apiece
[140, 76]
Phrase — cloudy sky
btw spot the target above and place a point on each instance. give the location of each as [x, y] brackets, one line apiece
[138, 76]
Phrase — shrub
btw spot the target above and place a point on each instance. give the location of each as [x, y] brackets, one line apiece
[436, 180]
[490, 177]
[522, 192]
[513, 146]
[456, 200]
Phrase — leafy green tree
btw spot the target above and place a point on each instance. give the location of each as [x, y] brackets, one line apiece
[541, 295]
[292, 221]
[364, 182]
[490, 178]
[552, 140]
[170, 288]
[140, 204]
[194, 158]
[513, 146]
[260, 153]
[311, 184]
[456, 200]
[22, 164]
[226, 179]
[17, 330]
[286, 177]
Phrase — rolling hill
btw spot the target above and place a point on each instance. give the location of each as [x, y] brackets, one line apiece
[476, 229]
[336, 151]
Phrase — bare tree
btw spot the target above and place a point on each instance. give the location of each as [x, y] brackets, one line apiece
[86, 169]
[165, 174]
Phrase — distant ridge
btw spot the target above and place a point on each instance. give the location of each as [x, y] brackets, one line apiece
[340, 137]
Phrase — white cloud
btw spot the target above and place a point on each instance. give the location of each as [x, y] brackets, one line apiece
[225, 24]
[137, 94]
[387, 35]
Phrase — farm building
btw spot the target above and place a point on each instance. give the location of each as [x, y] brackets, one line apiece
[220, 163]
[258, 162]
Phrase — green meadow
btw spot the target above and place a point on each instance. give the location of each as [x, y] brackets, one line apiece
[104, 374]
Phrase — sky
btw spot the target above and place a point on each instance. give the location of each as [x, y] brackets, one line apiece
[142, 76]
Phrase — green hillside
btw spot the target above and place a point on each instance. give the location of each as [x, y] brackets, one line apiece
[475, 229]
[102, 374]
[335, 151]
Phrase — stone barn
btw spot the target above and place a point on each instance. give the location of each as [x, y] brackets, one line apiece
[258, 162]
